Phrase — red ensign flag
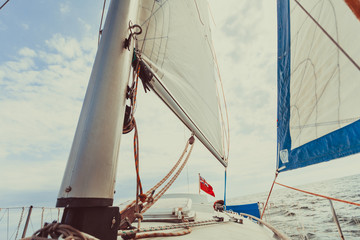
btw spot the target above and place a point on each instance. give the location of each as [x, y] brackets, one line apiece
[206, 187]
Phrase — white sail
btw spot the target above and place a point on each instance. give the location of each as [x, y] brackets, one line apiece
[178, 49]
[318, 81]
[323, 76]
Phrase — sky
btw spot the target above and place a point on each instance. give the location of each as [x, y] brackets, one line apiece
[47, 49]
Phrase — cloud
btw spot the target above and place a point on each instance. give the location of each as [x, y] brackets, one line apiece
[27, 52]
[69, 47]
[25, 26]
[65, 7]
[41, 96]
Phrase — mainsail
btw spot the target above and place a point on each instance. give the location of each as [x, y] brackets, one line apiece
[318, 81]
[176, 44]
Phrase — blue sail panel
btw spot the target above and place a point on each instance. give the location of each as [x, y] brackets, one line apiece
[318, 82]
[251, 209]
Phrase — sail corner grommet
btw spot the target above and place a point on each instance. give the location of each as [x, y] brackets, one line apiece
[191, 140]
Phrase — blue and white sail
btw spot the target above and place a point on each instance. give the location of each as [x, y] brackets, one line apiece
[318, 81]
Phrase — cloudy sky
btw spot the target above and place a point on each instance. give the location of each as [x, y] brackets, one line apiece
[46, 53]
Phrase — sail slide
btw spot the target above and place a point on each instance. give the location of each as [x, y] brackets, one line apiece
[318, 81]
[184, 68]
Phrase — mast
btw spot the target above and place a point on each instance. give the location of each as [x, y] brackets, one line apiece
[87, 189]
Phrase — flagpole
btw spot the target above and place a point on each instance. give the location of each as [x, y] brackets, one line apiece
[225, 189]
[199, 183]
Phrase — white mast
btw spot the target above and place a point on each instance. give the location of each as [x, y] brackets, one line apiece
[89, 177]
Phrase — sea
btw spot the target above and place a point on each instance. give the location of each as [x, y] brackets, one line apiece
[303, 216]
[298, 215]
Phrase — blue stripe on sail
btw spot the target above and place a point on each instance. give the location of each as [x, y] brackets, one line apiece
[340, 143]
[283, 114]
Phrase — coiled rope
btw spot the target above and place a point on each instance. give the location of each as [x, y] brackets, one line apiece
[55, 230]
[187, 225]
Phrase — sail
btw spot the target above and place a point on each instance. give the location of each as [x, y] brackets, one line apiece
[318, 81]
[176, 44]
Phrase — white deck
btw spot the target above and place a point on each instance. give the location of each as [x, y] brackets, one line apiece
[227, 229]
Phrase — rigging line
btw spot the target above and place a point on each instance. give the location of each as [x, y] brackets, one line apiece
[319, 195]
[136, 156]
[1, 218]
[148, 193]
[19, 224]
[267, 200]
[166, 187]
[42, 217]
[102, 15]
[212, 17]
[4, 4]
[8, 222]
[328, 35]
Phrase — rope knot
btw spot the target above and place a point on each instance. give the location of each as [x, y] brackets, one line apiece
[143, 197]
[139, 216]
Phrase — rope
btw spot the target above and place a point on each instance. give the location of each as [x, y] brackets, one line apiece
[2, 215]
[267, 200]
[166, 187]
[4, 4]
[42, 217]
[148, 198]
[168, 227]
[132, 95]
[328, 35]
[163, 234]
[54, 230]
[136, 156]
[319, 195]
[20, 220]
[149, 192]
